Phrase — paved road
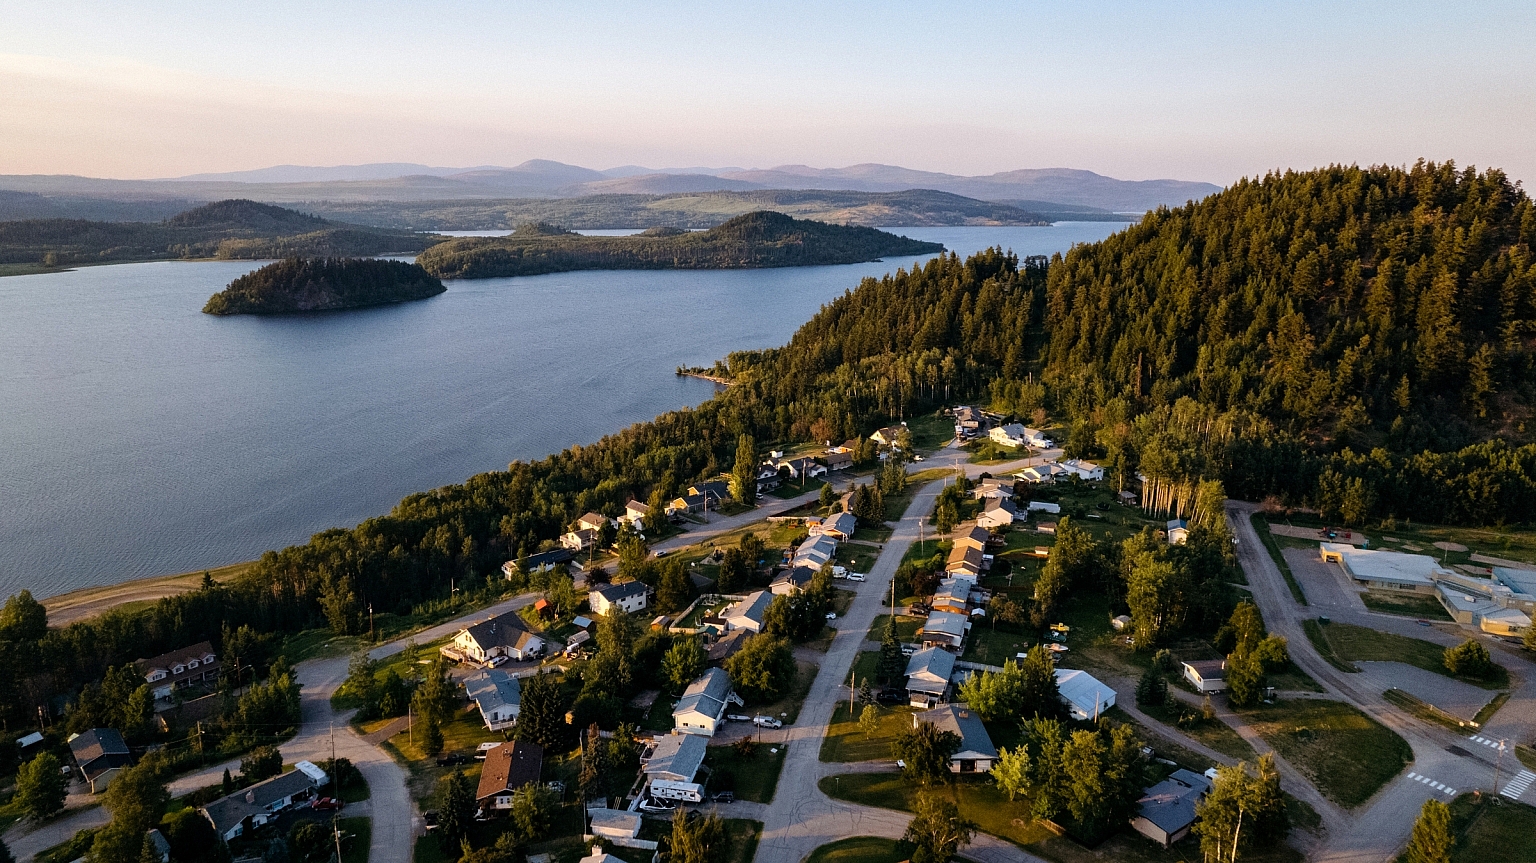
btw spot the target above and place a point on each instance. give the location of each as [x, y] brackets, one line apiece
[1378, 829]
[802, 818]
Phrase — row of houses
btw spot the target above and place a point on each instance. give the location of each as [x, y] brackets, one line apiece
[1058, 471]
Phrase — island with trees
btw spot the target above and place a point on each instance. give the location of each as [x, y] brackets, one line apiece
[323, 284]
[760, 239]
[232, 230]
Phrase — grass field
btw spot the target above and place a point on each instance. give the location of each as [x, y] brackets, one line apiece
[1404, 605]
[995, 646]
[753, 779]
[1212, 732]
[1345, 753]
[931, 431]
[1492, 831]
[862, 849]
[858, 558]
[1503, 542]
[1351, 643]
[978, 799]
[906, 627]
[846, 742]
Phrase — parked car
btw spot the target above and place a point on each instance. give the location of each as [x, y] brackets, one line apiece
[452, 759]
[738, 717]
[725, 797]
[1057, 648]
[908, 649]
[891, 696]
[430, 816]
[857, 576]
[917, 609]
[766, 722]
[651, 804]
[831, 615]
[325, 804]
[495, 661]
[1422, 622]
[917, 458]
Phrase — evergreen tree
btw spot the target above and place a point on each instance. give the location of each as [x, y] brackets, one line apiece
[1038, 695]
[744, 474]
[893, 664]
[541, 719]
[827, 496]
[1431, 841]
[945, 517]
[431, 736]
[457, 814]
[866, 693]
[1151, 689]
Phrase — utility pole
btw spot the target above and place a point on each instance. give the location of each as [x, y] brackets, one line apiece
[1499, 762]
[371, 636]
[410, 733]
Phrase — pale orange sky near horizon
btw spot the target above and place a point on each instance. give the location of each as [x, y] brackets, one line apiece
[1132, 90]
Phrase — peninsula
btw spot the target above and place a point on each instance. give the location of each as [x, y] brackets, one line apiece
[323, 284]
[760, 239]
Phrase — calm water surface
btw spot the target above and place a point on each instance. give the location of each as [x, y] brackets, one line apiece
[140, 437]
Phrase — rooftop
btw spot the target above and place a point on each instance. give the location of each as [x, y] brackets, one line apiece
[493, 688]
[677, 757]
[227, 812]
[97, 743]
[945, 623]
[617, 592]
[509, 767]
[1370, 564]
[964, 723]
[1170, 804]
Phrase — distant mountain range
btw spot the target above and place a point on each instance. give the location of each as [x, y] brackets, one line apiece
[542, 178]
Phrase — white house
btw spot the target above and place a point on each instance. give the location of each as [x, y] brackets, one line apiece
[889, 435]
[631, 596]
[1043, 473]
[928, 674]
[1206, 675]
[253, 807]
[992, 488]
[498, 695]
[976, 753]
[998, 512]
[579, 540]
[1178, 531]
[593, 521]
[840, 526]
[944, 629]
[180, 668]
[614, 824]
[635, 513]
[1037, 439]
[816, 551]
[1086, 470]
[792, 581]
[674, 758]
[1011, 434]
[1086, 698]
[1045, 506]
[701, 710]
[748, 613]
[503, 635]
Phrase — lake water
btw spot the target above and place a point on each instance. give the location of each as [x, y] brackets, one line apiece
[141, 437]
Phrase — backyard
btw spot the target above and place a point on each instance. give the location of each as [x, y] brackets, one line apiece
[753, 779]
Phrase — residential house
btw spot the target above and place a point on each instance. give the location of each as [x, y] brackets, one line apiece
[100, 754]
[968, 421]
[1043, 473]
[953, 595]
[1207, 675]
[944, 629]
[991, 488]
[503, 635]
[815, 552]
[598, 855]
[508, 767]
[837, 460]
[499, 696]
[728, 645]
[1045, 506]
[541, 562]
[1120, 622]
[965, 560]
[976, 753]
[1086, 698]
[675, 757]
[253, 807]
[792, 581]
[179, 669]
[928, 673]
[972, 536]
[579, 540]
[1084, 470]
[628, 597]
[717, 491]
[1166, 811]
[593, 521]
[748, 613]
[889, 435]
[635, 513]
[702, 708]
[1010, 434]
[803, 467]
[768, 478]
[159, 846]
[688, 503]
[1046, 527]
[1037, 439]
[840, 526]
[614, 824]
[1178, 531]
[997, 513]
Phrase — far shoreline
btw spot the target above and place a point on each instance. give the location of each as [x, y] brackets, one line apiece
[88, 602]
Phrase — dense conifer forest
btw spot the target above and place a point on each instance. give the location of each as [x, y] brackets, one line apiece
[761, 239]
[233, 229]
[1358, 339]
[323, 284]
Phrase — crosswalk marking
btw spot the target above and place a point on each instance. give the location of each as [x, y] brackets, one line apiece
[1442, 788]
[1519, 784]
[1492, 744]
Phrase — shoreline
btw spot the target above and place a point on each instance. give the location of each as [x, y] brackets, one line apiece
[714, 379]
[87, 602]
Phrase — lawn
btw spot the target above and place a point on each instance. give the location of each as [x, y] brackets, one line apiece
[858, 558]
[862, 849]
[872, 534]
[1345, 753]
[1261, 527]
[753, 779]
[978, 799]
[356, 834]
[931, 431]
[1492, 831]
[865, 665]
[1502, 542]
[793, 488]
[1212, 732]
[788, 707]
[744, 834]
[846, 742]
[1405, 605]
[906, 627]
[995, 646]
[1351, 643]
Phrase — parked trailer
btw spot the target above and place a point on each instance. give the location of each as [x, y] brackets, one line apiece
[665, 789]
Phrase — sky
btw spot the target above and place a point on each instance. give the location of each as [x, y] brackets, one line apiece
[1197, 91]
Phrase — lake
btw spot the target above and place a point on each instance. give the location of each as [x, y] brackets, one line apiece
[140, 437]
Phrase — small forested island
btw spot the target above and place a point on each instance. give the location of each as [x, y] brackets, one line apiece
[322, 285]
[761, 239]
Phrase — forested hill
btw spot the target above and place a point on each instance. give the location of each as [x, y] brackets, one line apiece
[1346, 305]
[761, 239]
[224, 229]
[323, 284]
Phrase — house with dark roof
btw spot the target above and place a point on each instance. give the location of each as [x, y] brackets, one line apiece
[688, 503]
[100, 754]
[498, 695]
[542, 562]
[508, 767]
[702, 708]
[503, 635]
[965, 560]
[837, 460]
[840, 526]
[748, 613]
[728, 645]
[580, 539]
[976, 753]
[803, 467]
[628, 597]
[997, 512]
[179, 669]
[1166, 811]
[716, 490]
[1207, 675]
[792, 581]
[246, 810]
